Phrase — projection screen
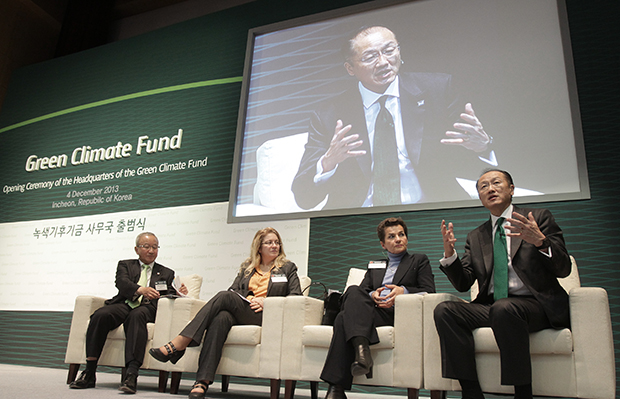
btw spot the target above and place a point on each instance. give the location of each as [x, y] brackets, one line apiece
[510, 60]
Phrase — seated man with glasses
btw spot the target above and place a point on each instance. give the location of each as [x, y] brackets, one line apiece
[386, 140]
[140, 283]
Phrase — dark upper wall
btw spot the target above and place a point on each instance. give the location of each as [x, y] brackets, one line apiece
[33, 31]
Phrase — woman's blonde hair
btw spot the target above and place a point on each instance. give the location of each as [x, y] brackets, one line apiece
[255, 258]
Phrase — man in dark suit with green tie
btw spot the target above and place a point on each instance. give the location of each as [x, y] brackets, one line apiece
[517, 271]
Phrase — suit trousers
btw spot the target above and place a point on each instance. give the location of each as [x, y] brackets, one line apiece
[217, 317]
[109, 317]
[358, 317]
[512, 320]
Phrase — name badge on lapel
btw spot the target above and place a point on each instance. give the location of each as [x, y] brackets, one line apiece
[161, 285]
[377, 264]
[279, 278]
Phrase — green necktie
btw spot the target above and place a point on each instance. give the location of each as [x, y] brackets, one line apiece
[386, 174]
[142, 283]
[500, 262]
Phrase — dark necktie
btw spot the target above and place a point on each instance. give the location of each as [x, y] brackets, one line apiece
[500, 262]
[386, 175]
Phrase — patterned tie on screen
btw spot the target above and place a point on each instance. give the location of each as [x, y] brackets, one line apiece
[500, 262]
[386, 175]
[142, 283]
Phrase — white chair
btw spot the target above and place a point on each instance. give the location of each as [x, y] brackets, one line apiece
[397, 358]
[249, 351]
[114, 350]
[277, 162]
[576, 362]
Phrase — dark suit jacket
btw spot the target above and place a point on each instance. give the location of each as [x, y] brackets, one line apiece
[538, 272]
[290, 287]
[414, 273]
[128, 274]
[428, 109]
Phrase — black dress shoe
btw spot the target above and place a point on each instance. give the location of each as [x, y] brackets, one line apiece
[130, 383]
[335, 392]
[85, 380]
[363, 360]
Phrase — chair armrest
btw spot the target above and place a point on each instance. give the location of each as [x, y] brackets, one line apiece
[299, 311]
[408, 341]
[85, 305]
[163, 321]
[271, 337]
[593, 342]
[432, 351]
[183, 311]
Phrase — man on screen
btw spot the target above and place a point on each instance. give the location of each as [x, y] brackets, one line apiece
[139, 282]
[378, 144]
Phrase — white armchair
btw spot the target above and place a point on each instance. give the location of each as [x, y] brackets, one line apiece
[114, 350]
[397, 358]
[277, 161]
[249, 351]
[570, 363]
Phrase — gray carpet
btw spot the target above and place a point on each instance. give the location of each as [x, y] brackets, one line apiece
[45, 383]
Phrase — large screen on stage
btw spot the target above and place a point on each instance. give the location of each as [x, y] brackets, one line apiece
[469, 85]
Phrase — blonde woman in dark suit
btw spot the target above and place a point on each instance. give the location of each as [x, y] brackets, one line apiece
[266, 272]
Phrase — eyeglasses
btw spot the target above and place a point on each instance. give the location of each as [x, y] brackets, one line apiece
[371, 57]
[270, 243]
[147, 247]
[486, 186]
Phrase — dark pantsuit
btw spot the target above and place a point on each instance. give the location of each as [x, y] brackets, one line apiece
[512, 320]
[217, 317]
[109, 317]
[358, 317]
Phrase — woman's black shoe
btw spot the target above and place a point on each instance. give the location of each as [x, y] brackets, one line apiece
[198, 395]
[173, 354]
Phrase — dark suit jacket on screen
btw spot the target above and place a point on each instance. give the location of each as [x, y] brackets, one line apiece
[428, 109]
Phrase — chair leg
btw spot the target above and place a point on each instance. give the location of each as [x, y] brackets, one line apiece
[225, 382]
[175, 381]
[274, 388]
[412, 393]
[314, 389]
[163, 381]
[73, 370]
[289, 389]
[435, 394]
